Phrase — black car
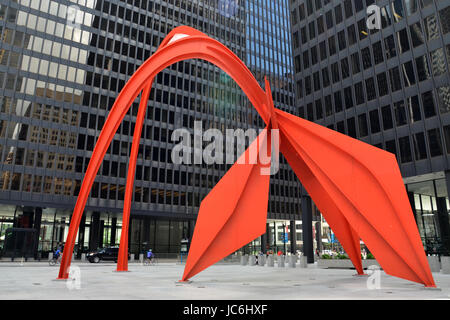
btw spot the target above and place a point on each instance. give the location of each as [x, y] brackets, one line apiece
[106, 254]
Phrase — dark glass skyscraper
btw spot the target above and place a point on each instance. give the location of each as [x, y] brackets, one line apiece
[63, 63]
[389, 87]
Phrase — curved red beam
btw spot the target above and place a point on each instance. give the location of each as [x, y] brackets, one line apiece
[195, 45]
[357, 187]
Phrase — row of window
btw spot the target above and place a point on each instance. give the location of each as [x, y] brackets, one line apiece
[352, 7]
[411, 110]
[406, 40]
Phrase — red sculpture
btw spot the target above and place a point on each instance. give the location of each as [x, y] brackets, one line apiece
[357, 187]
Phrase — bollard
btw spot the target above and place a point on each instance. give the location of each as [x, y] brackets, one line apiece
[445, 263]
[433, 261]
[292, 260]
[262, 260]
[244, 260]
[280, 261]
[303, 262]
[83, 257]
[50, 256]
[132, 257]
[252, 260]
[270, 261]
[141, 258]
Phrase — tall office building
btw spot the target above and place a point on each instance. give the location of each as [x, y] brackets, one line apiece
[62, 65]
[389, 87]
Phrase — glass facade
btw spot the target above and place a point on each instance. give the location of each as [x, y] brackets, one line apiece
[395, 81]
[63, 63]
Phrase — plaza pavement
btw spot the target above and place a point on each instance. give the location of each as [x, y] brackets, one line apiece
[36, 280]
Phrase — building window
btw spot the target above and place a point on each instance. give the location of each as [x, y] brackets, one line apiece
[362, 122]
[319, 110]
[420, 148]
[351, 127]
[400, 113]
[410, 6]
[431, 27]
[386, 114]
[405, 149]
[340, 126]
[447, 138]
[366, 58]
[434, 140]
[332, 45]
[403, 40]
[382, 84]
[355, 63]
[417, 36]
[370, 88]
[348, 8]
[335, 72]
[444, 15]
[428, 104]
[414, 108]
[444, 99]
[438, 62]
[377, 52]
[342, 41]
[351, 34]
[328, 105]
[359, 93]
[423, 69]
[325, 77]
[394, 75]
[345, 68]
[390, 147]
[408, 74]
[348, 97]
[374, 121]
[338, 102]
[323, 50]
[389, 47]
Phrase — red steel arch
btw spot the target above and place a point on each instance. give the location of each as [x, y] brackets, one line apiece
[357, 187]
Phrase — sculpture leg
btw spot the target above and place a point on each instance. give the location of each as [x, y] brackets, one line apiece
[334, 217]
[122, 260]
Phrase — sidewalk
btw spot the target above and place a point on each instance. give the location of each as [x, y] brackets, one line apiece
[221, 281]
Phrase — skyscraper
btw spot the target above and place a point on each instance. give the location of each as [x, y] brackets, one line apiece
[388, 87]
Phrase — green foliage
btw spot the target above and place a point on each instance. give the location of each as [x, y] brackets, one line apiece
[325, 256]
[341, 256]
[370, 256]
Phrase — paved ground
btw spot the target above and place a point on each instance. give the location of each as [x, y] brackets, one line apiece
[34, 280]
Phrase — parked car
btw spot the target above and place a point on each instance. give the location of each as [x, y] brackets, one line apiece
[106, 254]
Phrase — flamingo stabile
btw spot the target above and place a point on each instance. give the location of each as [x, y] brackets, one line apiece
[358, 188]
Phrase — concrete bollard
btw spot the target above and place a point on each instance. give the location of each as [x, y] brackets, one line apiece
[280, 261]
[50, 256]
[433, 261]
[132, 257]
[262, 260]
[141, 258]
[252, 260]
[270, 262]
[244, 260]
[292, 260]
[303, 262]
[445, 264]
[83, 257]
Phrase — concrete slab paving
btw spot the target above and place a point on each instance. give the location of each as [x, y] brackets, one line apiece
[34, 280]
